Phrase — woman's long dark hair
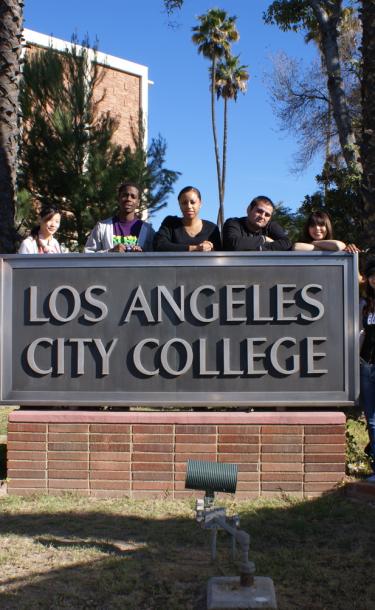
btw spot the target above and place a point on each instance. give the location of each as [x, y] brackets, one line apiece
[46, 213]
[317, 218]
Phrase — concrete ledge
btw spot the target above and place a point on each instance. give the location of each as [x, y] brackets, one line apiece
[180, 417]
[144, 454]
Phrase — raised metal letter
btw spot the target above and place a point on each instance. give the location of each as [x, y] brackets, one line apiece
[311, 355]
[310, 301]
[274, 361]
[30, 355]
[194, 308]
[137, 357]
[178, 310]
[280, 302]
[80, 353]
[226, 359]
[164, 356]
[53, 299]
[143, 306]
[91, 300]
[105, 354]
[251, 355]
[230, 303]
[256, 314]
[203, 359]
[33, 317]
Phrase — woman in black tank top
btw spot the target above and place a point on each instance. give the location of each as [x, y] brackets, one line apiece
[368, 359]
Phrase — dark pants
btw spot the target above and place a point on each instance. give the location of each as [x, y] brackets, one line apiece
[368, 403]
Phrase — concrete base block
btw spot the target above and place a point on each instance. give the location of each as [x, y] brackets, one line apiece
[225, 593]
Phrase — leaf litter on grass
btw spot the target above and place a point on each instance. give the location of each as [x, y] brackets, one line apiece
[74, 552]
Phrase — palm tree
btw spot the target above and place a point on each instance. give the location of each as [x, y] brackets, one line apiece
[10, 48]
[368, 114]
[230, 79]
[213, 37]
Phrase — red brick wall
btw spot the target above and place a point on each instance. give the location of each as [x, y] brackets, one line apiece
[109, 454]
[121, 98]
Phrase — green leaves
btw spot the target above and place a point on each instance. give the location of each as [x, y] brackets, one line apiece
[290, 15]
[215, 34]
[231, 78]
[68, 155]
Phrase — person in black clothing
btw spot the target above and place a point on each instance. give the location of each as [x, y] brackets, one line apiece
[189, 233]
[256, 231]
[367, 370]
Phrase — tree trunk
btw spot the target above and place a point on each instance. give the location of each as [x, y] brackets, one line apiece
[224, 171]
[368, 120]
[328, 25]
[10, 48]
[214, 131]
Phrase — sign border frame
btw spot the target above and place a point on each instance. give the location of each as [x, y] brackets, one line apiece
[295, 399]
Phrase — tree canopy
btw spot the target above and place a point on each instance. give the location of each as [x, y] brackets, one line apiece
[67, 154]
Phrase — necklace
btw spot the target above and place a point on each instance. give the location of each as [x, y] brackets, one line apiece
[194, 230]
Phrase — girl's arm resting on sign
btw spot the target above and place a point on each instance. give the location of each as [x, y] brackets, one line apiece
[300, 246]
[329, 244]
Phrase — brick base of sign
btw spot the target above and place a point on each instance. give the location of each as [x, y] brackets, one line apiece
[144, 454]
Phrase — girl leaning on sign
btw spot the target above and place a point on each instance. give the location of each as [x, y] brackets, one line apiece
[189, 233]
[368, 359]
[317, 234]
[41, 239]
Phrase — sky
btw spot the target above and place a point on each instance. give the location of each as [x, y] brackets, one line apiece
[260, 156]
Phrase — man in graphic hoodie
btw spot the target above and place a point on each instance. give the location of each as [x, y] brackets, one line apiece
[124, 232]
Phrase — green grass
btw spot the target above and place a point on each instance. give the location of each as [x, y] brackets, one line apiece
[72, 552]
[80, 553]
[357, 463]
[4, 412]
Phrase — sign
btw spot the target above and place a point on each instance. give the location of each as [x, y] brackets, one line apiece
[187, 329]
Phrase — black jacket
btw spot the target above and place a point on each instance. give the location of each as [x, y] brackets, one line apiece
[172, 236]
[237, 236]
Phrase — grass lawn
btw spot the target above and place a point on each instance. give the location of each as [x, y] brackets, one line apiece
[72, 552]
[79, 553]
[4, 412]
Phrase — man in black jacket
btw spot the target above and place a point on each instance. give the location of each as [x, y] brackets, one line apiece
[256, 231]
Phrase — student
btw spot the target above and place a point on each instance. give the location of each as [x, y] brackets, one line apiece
[189, 233]
[367, 370]
[123, 232]
[256, 231]
[41, 239]
[317, 234]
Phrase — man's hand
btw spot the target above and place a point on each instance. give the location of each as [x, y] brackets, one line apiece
[118, 248]
[122, 248]
[267, 238]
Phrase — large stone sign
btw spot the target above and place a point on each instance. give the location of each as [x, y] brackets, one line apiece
[234, 329]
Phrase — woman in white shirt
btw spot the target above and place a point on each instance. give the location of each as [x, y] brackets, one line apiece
[41, 239]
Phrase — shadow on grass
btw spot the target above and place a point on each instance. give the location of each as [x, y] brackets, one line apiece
[319, 553]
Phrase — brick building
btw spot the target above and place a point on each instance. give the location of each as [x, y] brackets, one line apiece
[124, 85]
